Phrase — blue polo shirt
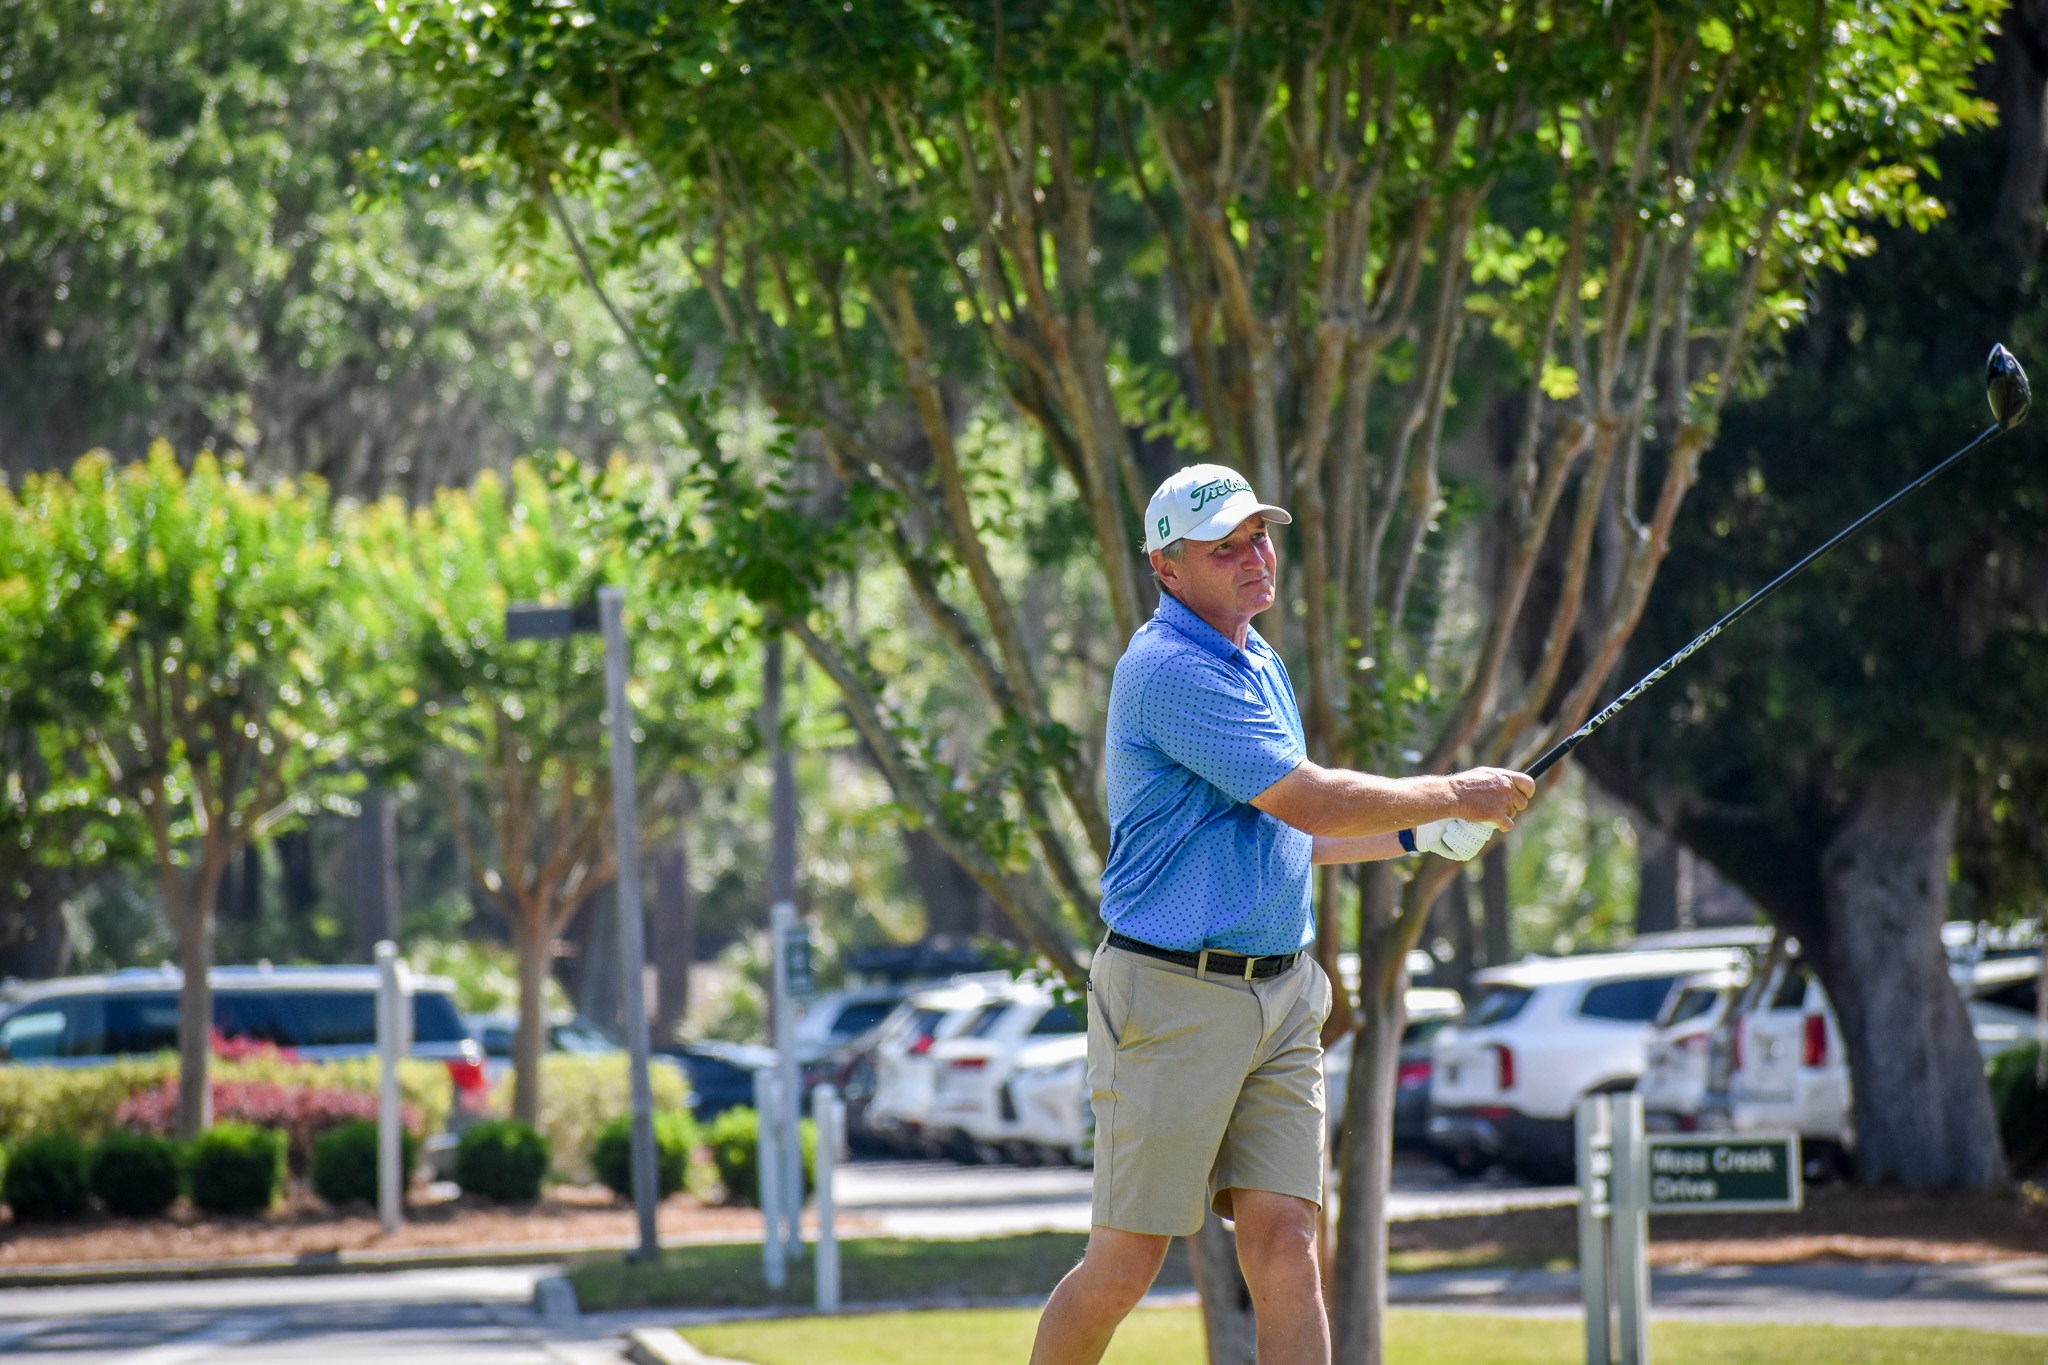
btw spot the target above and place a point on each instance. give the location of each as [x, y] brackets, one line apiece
[1197, 728]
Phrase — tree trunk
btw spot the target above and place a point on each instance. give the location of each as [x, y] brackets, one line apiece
[1923, 1110]
[1358, 1284]
[600, 994]
[1493, 892]
[375, 860]
[1451, 917]
[952, 899]
[1657, 894]
[532, 942]
[674, 934]
[1227, 1319]
[193, 919]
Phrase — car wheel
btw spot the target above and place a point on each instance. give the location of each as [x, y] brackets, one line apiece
[1468, 1162]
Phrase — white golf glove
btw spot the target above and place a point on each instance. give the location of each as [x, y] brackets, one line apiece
[1458, 840]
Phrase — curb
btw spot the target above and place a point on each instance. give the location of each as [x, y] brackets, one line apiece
[305, 1264]
[666, 1346]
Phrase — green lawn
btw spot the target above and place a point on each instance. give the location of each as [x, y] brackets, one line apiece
[1173, 1336]
[883, 1269]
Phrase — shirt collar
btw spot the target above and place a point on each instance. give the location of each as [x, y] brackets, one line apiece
[1174, 613]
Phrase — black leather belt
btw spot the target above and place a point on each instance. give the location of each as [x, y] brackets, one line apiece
[1211, 959]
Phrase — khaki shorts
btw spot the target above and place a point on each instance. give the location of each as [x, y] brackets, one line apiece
[1202, 1085]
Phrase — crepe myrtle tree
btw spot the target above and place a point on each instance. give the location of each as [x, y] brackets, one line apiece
[195, 640]
[1281, 236]
[514, 733]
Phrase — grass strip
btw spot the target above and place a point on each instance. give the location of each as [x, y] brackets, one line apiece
[1173, 1336]
[888, 1269]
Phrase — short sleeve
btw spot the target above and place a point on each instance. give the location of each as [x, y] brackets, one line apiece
[1213, 722]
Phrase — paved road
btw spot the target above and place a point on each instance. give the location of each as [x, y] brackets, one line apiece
[940, 1199]
[442, 1317]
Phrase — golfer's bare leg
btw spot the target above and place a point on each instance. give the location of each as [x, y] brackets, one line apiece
[1276, 1245]
[1096, 1295]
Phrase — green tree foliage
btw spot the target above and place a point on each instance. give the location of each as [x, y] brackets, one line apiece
[1906, 668]
[197, 662]
[200, 240]
[1149, 232]
[514, 734]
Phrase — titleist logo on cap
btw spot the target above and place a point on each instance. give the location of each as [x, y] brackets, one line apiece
[1203, 494]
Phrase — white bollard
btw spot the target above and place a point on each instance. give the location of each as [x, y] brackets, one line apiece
[828, 1112]
[767, 1174]
[394, 1037]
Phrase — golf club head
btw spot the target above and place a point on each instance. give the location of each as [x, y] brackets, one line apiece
[2005, 383]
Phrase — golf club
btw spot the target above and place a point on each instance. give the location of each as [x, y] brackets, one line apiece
[2005, 384]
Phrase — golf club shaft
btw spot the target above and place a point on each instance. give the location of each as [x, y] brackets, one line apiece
[1614, 708]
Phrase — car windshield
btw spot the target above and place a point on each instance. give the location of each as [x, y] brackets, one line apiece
[857, 1018]
[1635, 1001]
[1690, 1003]
[1498, 1005]
[985, 1022]
[1061, 1018]
[1422, 1030]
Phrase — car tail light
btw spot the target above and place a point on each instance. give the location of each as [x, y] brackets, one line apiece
[1412, 1075]
[922, 1045]
[1735, 1045]
[1504, 1065]
[969, 1063]
[1691, 1042]
[471, 1085]
[1816, 1040]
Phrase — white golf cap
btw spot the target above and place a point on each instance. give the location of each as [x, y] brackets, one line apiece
[1203, 502]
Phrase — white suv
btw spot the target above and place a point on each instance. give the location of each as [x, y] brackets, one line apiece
[1538, 1035]
[1791, 1069]
[1679, 1060]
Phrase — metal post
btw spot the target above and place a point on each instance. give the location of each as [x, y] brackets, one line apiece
[632, 929]
[1630, 1198]
[782, 928]
[828, 1111]
[1593, 1127]
[394, 1021]
[768, 1176]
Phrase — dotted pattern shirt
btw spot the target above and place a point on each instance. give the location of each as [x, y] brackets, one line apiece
[1197, 728]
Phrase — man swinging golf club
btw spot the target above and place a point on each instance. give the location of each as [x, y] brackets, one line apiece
[1204, 1012]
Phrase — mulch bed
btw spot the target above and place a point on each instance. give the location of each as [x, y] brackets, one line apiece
[1839, 1223]
[304, 1226]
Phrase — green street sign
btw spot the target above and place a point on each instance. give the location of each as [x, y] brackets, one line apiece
[1724, 1174]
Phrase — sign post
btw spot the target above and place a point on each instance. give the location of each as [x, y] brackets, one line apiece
[1593, 1124]
[1625, 1175]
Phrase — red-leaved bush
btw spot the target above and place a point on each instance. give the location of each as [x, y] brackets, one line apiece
[302, 1112]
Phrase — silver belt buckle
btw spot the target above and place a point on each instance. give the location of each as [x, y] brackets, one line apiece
[1248, 968]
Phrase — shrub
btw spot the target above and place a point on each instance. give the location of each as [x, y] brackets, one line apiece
[137, 1175]
[577, 1091]
[502, 1160]
[237, 1168]
[675, 1141]
[300, 1112]
[345, 1162]
[46, 1178]
[83, 1101]
[735, 1139]
[2022, 1109]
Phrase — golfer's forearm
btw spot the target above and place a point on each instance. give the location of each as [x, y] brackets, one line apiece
[1340, 804]
[1367, 848]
